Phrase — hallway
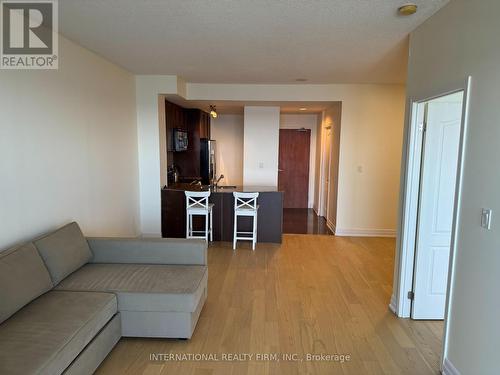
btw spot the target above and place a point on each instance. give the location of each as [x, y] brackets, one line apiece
[304, 221]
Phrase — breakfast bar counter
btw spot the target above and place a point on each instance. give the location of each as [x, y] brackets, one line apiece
[270, 213]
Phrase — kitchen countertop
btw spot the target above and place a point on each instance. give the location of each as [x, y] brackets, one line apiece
[244, 189]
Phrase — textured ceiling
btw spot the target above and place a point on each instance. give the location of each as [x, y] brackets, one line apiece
[249, 41]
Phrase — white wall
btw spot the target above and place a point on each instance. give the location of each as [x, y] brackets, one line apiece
[68, 148]
[260, 146]
[227, 130]
[369, 163]
[461, 40]
[149, 127]
[306, 121]
[162, 132]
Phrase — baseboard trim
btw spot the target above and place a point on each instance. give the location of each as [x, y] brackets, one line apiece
[150, 235]
[449, 369]
[365, 232]
[393, 305]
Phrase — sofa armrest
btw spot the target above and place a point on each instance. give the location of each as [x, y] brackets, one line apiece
[148, 251]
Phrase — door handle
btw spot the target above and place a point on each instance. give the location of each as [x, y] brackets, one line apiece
[280, 170]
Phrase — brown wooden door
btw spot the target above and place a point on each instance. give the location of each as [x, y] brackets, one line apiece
[293, 169]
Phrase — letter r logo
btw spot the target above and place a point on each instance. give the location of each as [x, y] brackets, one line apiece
[27, 27]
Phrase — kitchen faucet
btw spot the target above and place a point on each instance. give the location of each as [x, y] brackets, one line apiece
[218, 180]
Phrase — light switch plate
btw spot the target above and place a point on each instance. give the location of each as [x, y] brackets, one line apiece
[486, 218]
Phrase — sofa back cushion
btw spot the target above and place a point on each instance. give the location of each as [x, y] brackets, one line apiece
[64, 251]
[23, 277]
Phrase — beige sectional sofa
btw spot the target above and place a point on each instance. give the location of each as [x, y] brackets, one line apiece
[65, 300]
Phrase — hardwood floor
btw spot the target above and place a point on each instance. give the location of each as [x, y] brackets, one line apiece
[312, 294]
[303, 221]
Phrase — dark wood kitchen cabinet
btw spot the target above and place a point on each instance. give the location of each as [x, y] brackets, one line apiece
[188, 161]
[197, 124]
[175, 118]
[189, 119]
[204, 124]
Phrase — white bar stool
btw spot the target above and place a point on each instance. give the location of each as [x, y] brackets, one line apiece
[245, 204]
[197, 204]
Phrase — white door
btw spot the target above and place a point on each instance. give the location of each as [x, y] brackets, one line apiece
[435, 217]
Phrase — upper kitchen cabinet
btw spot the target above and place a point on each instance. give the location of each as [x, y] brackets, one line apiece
[200, 122]
[194, 121]
[197, 125]
[176, 118]
[205, 120]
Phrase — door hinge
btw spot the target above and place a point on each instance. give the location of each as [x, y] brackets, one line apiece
[411, 295]
[423, 126]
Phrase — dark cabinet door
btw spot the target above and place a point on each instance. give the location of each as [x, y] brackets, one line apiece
[175, 118]
[204, 124]
[209, 127]
[201, 126]
[173, 214]
[183, 119]
[169, 124]
[207, 124]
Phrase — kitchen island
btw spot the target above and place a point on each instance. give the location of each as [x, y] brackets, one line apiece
[270, 214]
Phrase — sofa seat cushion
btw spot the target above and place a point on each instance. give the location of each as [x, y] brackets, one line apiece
[48, 334]
[143, 287]
[23, 277]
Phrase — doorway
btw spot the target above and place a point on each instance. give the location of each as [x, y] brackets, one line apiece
[294, 180]
[438, 171]
[329, 159]
[413, 237]
[293, 167]
[430, 209]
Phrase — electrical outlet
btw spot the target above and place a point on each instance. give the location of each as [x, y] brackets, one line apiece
[261, 165]
[486, 218]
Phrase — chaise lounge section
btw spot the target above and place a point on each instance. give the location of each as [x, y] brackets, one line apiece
[65, 300]
[162, 298]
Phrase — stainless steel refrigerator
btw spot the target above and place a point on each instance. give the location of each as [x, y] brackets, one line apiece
[207, 161]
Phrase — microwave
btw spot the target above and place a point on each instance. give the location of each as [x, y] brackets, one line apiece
[180, 140]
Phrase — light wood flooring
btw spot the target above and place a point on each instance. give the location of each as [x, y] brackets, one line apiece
[313, 294]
